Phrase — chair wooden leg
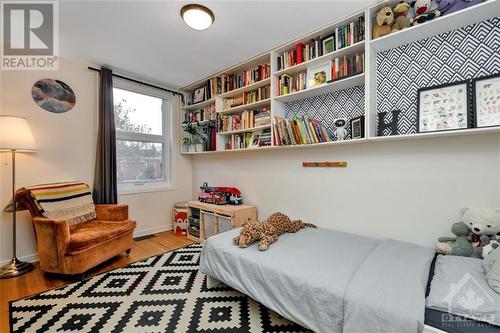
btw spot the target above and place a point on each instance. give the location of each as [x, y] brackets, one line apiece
[128, 252]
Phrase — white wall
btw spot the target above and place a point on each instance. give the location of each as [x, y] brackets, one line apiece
[410, 190]
[66, 145]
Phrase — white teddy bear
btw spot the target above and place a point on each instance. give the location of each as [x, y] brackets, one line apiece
[482, 222]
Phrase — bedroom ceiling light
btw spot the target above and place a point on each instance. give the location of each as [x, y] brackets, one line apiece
[197, 16]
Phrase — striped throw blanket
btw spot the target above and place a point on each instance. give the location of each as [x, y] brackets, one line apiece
[71, 201]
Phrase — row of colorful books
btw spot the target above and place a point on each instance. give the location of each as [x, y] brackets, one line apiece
[246, 120]
[208, 113]
[286, 83]
[341, 37]
[212, 87]
[259, 94]
[348, 65]
[350, 34]
[249, 140]
[248, 97]
[245, 78]
[300, 130]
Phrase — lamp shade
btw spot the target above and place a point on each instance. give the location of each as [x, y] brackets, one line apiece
[15, 134]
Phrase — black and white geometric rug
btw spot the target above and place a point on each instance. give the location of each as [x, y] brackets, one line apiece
[164, 293]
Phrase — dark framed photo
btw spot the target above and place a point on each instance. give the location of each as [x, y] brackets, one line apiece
[199, 95]
[486, 102]
[328, 44]
[443, 108]
[358, 127]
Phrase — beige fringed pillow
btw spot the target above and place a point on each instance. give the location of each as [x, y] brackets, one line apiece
[491, 266]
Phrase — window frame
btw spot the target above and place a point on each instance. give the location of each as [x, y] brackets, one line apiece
[165, 138]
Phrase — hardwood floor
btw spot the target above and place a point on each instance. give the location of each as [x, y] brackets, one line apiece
[36, 281]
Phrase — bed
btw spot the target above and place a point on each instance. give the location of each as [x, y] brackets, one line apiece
[330, 281]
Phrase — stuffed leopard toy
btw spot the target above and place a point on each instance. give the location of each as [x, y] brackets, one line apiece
[267, 232]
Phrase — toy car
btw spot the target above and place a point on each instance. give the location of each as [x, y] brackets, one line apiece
[220, 195]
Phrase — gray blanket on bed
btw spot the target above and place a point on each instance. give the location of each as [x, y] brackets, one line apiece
[328, 281]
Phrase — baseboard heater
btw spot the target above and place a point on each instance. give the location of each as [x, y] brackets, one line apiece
[143, 237]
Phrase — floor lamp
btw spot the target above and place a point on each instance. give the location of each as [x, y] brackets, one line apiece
[15, 136]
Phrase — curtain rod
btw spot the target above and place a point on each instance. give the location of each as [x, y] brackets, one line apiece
[140, 82]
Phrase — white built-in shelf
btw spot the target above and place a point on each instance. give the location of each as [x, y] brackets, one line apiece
[250, 87]
[241, 108]
[349, 50]
[443, 134]
[246, 130]
[467, 131]
[341, 84]
[198, 123]
[471, 15]
[311, 145]
[199, 105]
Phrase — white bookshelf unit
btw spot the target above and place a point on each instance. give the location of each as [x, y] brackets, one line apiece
[370, 48]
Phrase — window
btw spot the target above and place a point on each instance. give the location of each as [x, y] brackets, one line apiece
[142, 119]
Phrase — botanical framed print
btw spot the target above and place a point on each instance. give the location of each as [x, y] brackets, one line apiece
[358, 127]
[486, 92]
[318, 75]
[328, 44]
[199, 95]
[444, 107]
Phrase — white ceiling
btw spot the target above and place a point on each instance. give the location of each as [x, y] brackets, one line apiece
[149, 38]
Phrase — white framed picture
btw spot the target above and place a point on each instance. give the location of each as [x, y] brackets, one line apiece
[318, 75]
[444, 107]
[486, 101]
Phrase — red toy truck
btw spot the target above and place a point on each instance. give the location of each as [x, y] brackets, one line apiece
[220, 195]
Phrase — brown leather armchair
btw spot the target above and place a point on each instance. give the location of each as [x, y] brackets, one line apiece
[74, 249]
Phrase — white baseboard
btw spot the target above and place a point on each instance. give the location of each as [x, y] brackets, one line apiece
[138, 233]
[150, 231]
[29, 258]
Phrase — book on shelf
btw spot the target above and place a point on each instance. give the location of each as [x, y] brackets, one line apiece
[248, 119]
[248, 97]
[250, 140]
[205, 92]
[300, 130]
[245, 78]
[286, 83]
[207, 113]
[350, 34]
[347, 66]
[210, 144]
[342, 36]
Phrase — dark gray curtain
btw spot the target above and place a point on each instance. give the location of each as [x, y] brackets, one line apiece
[105, 191]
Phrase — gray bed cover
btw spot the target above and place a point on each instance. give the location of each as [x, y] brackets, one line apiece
[328, 281]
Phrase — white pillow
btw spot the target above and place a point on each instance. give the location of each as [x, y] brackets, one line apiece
[491, 266]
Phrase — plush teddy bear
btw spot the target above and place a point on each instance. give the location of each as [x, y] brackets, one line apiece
[457, 246]
[267, 232]
[425, 10]
[385, 19]
[482, 222]
[400, 16]
[487, 245]
[451, 6]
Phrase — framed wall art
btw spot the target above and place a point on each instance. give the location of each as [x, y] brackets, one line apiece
[444, 107]
[53, 95]
[318, 75]
[199, 95]
[486, 105]
[358, 127]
